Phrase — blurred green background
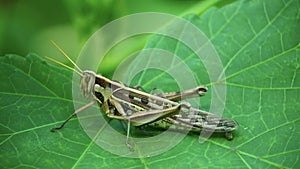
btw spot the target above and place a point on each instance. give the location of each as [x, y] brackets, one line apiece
[29, 25]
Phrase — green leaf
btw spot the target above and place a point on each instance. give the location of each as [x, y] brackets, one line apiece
[258, 44]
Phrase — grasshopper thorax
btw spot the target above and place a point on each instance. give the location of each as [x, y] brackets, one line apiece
[87, 83]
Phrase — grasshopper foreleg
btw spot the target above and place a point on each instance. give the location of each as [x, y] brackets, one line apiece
[72, 115]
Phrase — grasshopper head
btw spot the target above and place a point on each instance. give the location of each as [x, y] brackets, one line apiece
[87, 83]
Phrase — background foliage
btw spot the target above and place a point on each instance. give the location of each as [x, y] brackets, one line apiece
[258, 42]
[28, 26]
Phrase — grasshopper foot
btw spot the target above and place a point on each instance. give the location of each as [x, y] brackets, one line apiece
[56, 128]
[229, 135]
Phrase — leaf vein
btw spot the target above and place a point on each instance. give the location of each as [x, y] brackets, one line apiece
[263, 62]
[267, 131]
[250, 41]
[30, 77]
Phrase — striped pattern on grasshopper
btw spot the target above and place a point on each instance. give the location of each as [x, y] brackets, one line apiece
[139, 108]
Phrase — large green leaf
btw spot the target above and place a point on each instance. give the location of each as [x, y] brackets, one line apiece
[258, 43]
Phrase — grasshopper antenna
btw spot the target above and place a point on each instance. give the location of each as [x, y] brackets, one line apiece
[65, 55]
[66, 66]
[78, 71]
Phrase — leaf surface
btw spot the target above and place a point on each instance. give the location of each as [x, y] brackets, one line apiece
[258, 44]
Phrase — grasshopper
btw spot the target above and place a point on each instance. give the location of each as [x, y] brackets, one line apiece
[139, 108]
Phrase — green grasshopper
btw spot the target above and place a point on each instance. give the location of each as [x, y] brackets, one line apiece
[139, 108]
